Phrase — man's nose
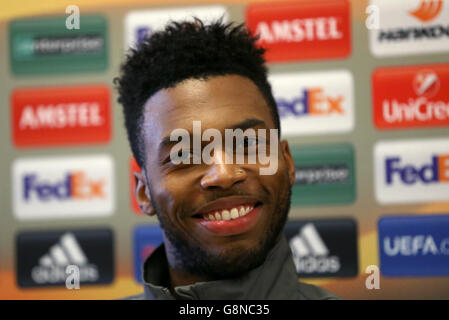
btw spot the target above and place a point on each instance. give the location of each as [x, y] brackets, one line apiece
[222, 175]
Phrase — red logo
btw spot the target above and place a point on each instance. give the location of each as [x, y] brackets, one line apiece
[407, 97]
[61, 116]
[302, 31]
[133, 167]
[428, 10]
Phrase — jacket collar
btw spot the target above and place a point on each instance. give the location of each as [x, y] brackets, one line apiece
[276, 278]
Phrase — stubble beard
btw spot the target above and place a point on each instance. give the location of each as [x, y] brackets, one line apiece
[190, 257]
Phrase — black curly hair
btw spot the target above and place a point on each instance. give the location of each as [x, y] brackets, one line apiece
[182, 51]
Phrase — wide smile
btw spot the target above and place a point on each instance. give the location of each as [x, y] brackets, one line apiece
[230, 219]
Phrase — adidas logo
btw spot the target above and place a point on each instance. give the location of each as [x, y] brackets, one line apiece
[67, 251]
[310, 253]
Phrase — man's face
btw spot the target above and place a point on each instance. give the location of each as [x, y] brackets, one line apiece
[185, 195]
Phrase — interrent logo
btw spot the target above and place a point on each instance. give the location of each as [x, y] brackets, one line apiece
[249, 144]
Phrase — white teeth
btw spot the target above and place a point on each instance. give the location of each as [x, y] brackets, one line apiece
[234, 213]
[226, 215]
[231, 214]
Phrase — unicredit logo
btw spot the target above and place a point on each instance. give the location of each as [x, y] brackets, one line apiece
[304, 30]
[436, 171]
[427, 10]
[411, 97]
[74, 185]
[311, 102]
[426, 83]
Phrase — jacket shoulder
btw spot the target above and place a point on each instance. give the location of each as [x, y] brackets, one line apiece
[312, 292]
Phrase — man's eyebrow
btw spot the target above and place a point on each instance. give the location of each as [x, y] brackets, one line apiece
[245, 124]
[248, 123]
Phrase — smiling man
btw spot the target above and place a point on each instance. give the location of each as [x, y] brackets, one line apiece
[222, 220]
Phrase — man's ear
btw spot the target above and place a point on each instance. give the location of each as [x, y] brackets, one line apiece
[142, 194]
[289, 161]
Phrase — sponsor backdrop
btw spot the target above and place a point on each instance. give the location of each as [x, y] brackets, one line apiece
[366, 112]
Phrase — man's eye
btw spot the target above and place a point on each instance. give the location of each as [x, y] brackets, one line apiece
[249, 142]
[184, 154]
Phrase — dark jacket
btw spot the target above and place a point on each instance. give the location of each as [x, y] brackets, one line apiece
[275, 279]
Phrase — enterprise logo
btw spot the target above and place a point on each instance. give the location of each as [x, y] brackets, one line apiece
[412, 171]
[414, 245]
[325, 174]
[51, 45]
[322, 174]
[43, 46]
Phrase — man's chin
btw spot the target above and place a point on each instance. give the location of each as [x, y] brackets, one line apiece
[233, 262]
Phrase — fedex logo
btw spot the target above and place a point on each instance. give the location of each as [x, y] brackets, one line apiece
[141, 23]
[412, 171]
[63, 187]
[74, 185]
[314, 103]
[142, 32]
[434, 172]
[412, 96]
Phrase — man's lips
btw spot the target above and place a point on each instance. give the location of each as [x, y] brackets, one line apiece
[223, 204]
[229, 216]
